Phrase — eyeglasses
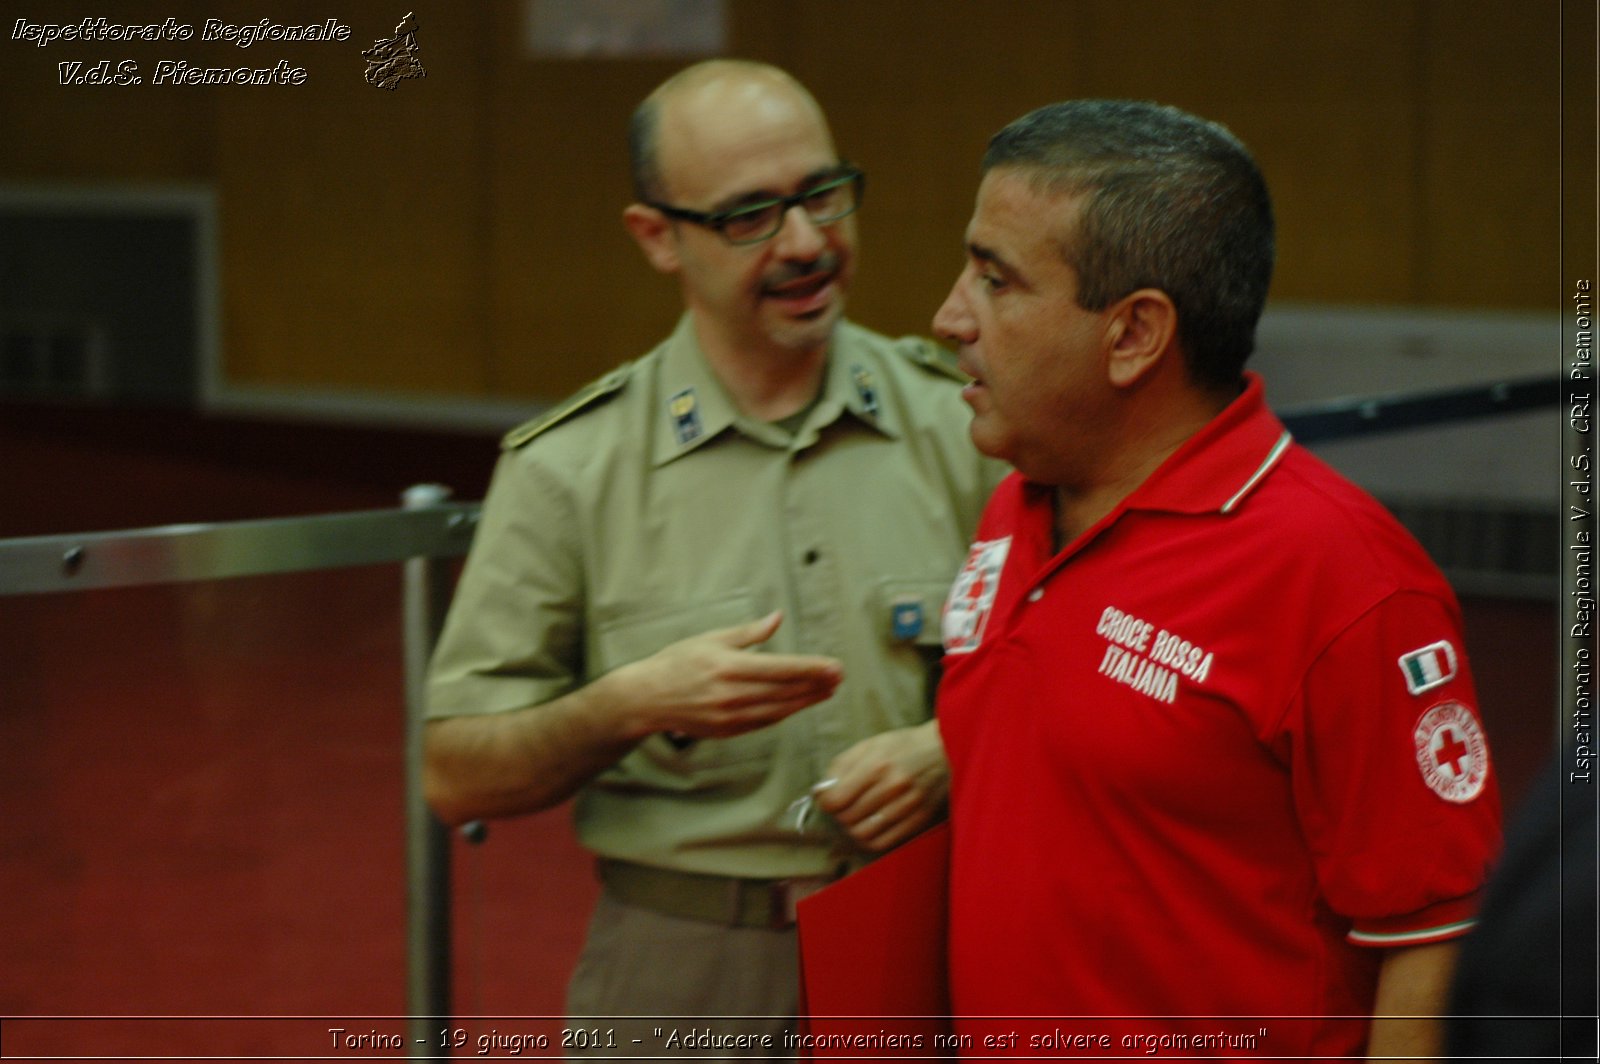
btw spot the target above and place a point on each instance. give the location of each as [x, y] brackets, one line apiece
[755, 222]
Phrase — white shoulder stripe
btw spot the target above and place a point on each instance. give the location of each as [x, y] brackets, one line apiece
[1271, 460]
[1425, 935]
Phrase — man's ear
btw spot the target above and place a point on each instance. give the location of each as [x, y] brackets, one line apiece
[652, 231]
[1142, 330]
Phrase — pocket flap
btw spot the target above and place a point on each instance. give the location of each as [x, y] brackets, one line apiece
[635, 634]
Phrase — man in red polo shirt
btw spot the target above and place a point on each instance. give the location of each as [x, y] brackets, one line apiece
[1217, 768]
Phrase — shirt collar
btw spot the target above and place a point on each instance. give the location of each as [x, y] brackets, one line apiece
[1217, 468]
[693, 407]
[857, 382]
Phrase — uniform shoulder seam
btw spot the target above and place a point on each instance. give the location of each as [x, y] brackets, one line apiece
[584, 399]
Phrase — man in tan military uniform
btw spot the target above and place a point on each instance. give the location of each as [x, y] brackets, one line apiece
[704, 595]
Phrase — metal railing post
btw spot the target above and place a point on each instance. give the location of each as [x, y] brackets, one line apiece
[426, 596]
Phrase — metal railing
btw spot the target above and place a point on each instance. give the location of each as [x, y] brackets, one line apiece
[1344, 418]
[426, 533]
[424, 536]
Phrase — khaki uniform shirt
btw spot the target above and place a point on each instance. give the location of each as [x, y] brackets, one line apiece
[648, 509]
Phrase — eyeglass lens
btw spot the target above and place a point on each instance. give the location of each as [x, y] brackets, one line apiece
[826, 203]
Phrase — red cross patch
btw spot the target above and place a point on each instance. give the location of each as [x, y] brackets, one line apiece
[971, 600]
[1451, 752]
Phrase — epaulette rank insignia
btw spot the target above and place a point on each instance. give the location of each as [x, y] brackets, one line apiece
[931, 356]
[586, 397]
[866, 388]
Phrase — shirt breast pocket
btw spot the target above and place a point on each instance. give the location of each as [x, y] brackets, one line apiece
[676, 762]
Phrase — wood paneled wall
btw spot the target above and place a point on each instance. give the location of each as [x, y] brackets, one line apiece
[461, 235]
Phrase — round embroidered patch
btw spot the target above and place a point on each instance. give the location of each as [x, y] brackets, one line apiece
[1452, 752]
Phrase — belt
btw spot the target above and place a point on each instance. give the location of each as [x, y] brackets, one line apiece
[726, 900]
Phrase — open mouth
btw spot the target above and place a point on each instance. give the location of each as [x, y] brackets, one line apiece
[975, 387]
[805, 295]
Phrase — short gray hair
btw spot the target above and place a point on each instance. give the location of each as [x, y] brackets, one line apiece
[1170, 201]
[642, 158]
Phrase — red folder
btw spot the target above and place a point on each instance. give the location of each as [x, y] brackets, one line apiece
[872, 956]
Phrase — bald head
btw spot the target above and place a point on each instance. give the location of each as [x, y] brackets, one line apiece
[690, 109]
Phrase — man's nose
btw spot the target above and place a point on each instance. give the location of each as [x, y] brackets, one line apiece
[799, 237]
[953, 321]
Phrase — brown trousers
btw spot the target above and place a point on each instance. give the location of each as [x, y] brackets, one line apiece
[665, 988]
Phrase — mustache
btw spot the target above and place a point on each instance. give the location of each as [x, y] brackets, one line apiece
[789, 272]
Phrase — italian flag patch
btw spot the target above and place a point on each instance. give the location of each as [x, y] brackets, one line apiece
[1429, 667]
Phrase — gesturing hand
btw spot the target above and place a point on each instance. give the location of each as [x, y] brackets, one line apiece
[717, 684]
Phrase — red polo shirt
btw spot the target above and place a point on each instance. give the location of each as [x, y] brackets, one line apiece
[1205, 757]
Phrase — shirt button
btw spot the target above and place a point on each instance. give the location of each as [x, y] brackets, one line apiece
[1036, 594]
[810, 557]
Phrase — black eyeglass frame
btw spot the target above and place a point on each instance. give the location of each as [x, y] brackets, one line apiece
[718, 220]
